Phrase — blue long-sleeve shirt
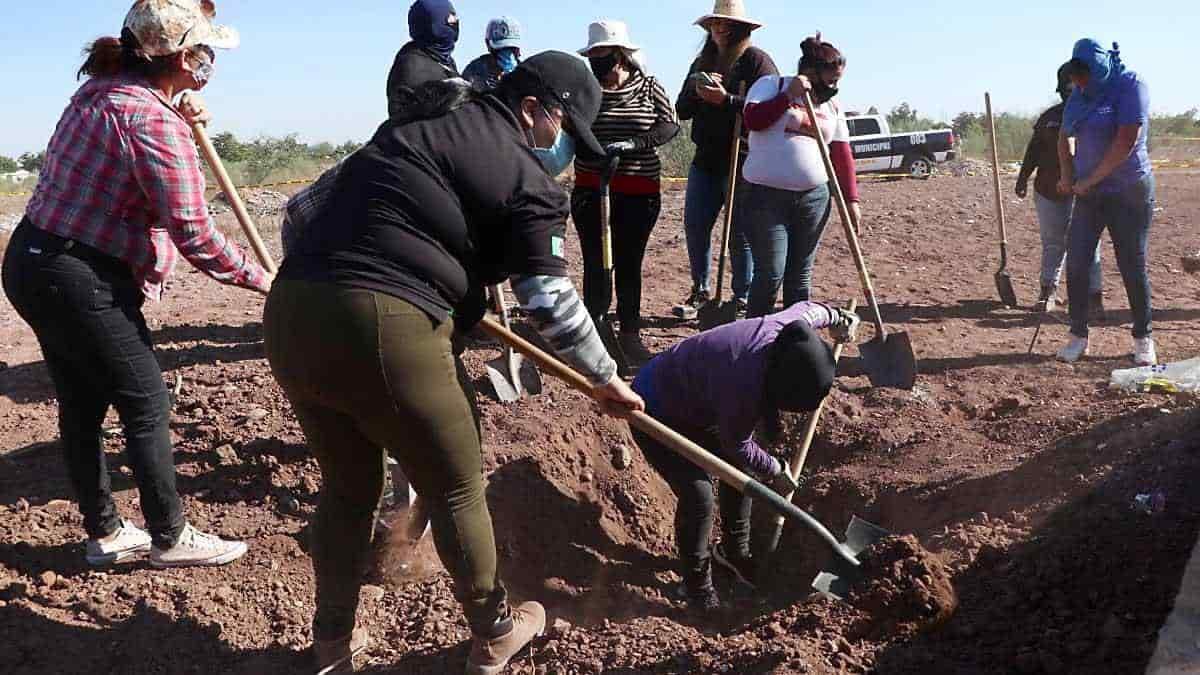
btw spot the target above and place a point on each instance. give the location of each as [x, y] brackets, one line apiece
[716, 378]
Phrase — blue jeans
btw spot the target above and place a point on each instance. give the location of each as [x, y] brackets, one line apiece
[1127, 215]
[705, 196]
[785, 228]
[1054, 220]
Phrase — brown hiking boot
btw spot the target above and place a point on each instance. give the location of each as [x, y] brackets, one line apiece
[337, 656]
[489, 657]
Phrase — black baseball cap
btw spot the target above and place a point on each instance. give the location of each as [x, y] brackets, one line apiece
[567, 80]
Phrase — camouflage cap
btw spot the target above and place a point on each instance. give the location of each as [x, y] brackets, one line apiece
[165, 27]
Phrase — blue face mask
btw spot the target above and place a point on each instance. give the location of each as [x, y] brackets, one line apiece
[556, 158]
[507, 60]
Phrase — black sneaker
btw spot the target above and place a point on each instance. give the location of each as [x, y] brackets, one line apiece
[689, 308]
[740, 309]
[742, 567]
[698, 592]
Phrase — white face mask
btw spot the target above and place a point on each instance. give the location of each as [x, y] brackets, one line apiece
[204, 67]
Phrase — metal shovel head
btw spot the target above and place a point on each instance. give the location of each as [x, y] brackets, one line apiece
[499, 370]
[860, 536]
[1004, 286]
[609, 337]
[716, 313]
[889, 360]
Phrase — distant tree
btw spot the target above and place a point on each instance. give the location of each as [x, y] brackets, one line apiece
[902, 115]
[229, 147]
[32, 162]
[965, 123]
[8, 164]
[347, 148]
[265, 154]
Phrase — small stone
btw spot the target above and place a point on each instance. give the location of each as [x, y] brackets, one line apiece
[560, 626]
[776, 629]
[844, 646]
[227, 456]
[255, 414]
[22, 505]
[586, 477]
[290, 505]
[622, 457]
[48, 579]
[223, 595]
[372, 593]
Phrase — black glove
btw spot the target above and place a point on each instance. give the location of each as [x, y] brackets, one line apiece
[619, 148]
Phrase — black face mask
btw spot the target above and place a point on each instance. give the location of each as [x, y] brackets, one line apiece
[603, 65]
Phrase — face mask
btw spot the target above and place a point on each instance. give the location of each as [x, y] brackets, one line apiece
[823, 92]
[603, 65]
[556, 158]
[204, 68]
[507, 60]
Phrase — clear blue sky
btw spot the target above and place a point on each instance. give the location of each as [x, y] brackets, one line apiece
[318, 68]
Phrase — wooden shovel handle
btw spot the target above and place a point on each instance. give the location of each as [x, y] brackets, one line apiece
[995, 156]
[730, 188]
[235, 201]
[835, 190]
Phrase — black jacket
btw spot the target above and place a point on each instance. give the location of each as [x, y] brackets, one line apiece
[413, 66]
[712, 125]
[421, 214]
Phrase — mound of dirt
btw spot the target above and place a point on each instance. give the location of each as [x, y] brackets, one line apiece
[906, 589]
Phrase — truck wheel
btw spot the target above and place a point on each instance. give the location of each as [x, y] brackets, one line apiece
[919, 166]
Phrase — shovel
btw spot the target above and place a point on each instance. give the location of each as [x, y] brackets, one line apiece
[512, 377]
[1004, 285]
[860, 534]
[795, 467]
[887, 358]
[714, 313]
[603, 321]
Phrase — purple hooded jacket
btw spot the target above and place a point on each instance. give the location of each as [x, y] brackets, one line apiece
[716, 379]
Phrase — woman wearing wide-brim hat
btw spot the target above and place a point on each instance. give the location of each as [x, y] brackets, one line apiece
[635, 118]
[710, 98]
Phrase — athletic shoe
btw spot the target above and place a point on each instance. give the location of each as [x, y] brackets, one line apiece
[490, 657]
[689, 308]
[337, 656]
[1144, 353]
[741, 566]
[1076, 349]
[740, 309]
[128, 541]
[1048, 300]
[197, 549]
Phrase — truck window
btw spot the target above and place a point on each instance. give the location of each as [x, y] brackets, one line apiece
[863, 126]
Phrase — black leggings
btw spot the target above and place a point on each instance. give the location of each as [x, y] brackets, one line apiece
[632, 220]
[85, 308]
[694, 514]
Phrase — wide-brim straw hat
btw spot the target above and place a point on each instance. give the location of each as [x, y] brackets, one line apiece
[608, 33]
[730, 10]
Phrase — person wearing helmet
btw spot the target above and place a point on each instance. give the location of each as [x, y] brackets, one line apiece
[119, 200]
[503, 40]
[428, 56]
[715, 388]
[1053, 208]
[358, 327]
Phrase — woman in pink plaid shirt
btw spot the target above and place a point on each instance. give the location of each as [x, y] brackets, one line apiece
[120, 197]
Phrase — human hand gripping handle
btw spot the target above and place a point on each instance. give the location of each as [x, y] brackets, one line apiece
[227, 186]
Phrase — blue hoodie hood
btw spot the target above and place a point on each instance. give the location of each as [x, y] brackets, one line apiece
[1104, 69]
[433, 26]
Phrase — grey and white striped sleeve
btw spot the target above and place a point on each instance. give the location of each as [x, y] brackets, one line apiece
[559, 316]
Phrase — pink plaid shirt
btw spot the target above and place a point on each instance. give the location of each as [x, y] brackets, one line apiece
[122, 175]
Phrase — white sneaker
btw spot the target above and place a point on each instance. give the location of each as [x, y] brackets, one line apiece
[128, 541]
[1143, 352]
[1076, 349]
[197, 549]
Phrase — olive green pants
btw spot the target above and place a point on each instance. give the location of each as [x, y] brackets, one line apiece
[365, 371]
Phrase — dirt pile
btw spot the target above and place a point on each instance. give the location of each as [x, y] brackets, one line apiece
[905, 589]
[258, 202]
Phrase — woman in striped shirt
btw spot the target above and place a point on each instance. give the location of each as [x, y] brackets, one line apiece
[636, 116]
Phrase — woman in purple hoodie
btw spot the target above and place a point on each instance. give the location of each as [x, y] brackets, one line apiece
[715, 388]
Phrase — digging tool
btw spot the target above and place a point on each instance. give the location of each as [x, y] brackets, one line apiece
[235, 200]
[603, 321]
[796, 466]
[714, 313]
[512, 377]
[860, 534]
[1004, 285]
[888, 357]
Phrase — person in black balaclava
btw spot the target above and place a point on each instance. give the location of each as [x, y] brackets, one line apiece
[433, 27]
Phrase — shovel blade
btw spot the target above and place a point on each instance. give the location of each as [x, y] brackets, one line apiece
[860, 535]
[889, 361]
[716, 314]
[1004, 286]
[609, 337]
[504, 389]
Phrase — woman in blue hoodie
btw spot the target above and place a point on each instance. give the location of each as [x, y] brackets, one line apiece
[1108, 115]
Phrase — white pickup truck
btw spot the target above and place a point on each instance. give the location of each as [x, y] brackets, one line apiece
[877, 149]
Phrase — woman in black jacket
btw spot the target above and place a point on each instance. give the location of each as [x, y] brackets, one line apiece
[710, 99]
[433, 26]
